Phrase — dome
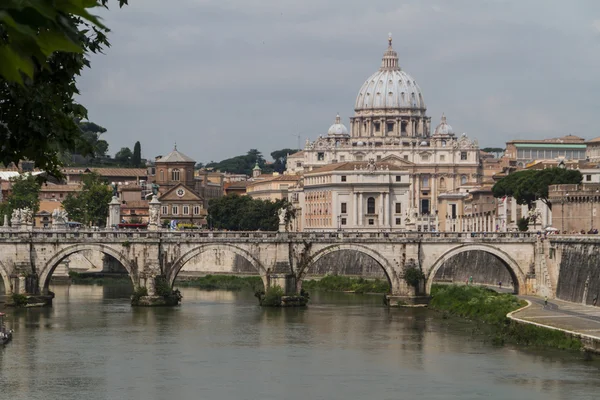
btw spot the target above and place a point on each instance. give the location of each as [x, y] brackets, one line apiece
[443, 128]
[390, 87]
[337, 128]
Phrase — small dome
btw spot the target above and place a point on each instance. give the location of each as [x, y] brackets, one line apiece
[443, 128]
[337, 128]
[390, 87]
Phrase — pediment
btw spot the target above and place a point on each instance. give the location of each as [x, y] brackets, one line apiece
[180, 193]
[395, 160]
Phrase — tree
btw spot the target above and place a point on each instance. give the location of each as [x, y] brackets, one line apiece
[124, 156]
[136, 158]
[243, 213]
[280, 159]
[25, 194]
[496, 151]
[90, 206]
[44, 46]
[242, 164]
[527, 186]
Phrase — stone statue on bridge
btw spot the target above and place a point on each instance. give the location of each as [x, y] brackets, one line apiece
[26, 216]
[15, 219]
[59, 218]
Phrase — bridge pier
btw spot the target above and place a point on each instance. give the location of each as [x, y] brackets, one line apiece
[154, 290]
[408, 295]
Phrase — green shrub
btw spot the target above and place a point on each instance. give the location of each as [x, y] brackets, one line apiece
[139, 293]
[272, 297]
[337, 283]
[523, 224]
[19, 300]
[413, 276]
[161, 286]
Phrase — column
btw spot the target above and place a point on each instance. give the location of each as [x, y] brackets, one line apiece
[381, 215]
[418, 193]
[409, 128]
[355, 213]
[434, 178]
[360, 209]
[386, 209]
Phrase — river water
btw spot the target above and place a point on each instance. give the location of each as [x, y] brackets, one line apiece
[220, 345]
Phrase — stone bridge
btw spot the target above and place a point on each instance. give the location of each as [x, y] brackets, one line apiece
[28, 258]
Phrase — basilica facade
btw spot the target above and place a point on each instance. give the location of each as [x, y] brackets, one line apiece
[390, 137]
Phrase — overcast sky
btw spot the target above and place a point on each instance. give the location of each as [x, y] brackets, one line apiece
[222, 76]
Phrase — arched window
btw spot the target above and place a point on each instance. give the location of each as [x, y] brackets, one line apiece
[442, 183]
[162, 175]
[371, 205]
[463, 180]
[175, 175]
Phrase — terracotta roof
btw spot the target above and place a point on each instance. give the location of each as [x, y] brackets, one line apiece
[354, 165]
[60, 188]
[297, 154]
[175, 156]
[135, 204]
[594, 140]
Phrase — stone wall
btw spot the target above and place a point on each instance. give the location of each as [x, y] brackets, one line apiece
[579, 272]
[347, 262]
[485, 269]
[217, 262]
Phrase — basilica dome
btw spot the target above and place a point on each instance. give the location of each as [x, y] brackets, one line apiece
[390, 87]
[337, 128]
[443, 128]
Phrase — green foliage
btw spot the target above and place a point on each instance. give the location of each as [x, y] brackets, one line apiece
[44, 46]
[241, 164]
[25, 194]
[126, 244]
[162, 287]
[413, 276]
[138, 294]
[124, 156]
[19, 300]
[337, 283]
[90, 206]
[272, 297]
[523, 224]
[528, 185]
[280, 159]
[136, 158]
[243, 213]
[496, 151]
[224, 282]
[490, 307]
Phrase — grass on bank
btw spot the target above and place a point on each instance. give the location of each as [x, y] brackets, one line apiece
[223, 282]
[337, 283]
[490, 307]
[97, 279]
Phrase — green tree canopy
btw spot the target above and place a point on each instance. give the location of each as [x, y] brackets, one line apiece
[241, 164]
[243, 213]
[44, 46]
[124, 156]
[136, 158]
[90, 206]
[527, 186]
[25, 194]
[280, 159]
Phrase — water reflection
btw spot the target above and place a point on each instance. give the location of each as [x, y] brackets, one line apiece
[91, 344]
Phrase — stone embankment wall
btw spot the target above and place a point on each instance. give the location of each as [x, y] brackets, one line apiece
[579, 272]
[485, 269]
[348, 263]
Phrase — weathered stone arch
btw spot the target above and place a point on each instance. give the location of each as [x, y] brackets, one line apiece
[5, 279]
[513, 267]
[46, 273]
[196, 251]
[385, 264]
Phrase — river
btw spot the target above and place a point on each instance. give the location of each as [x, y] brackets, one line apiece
[220, 345]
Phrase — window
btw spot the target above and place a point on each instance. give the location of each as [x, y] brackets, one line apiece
[165, 210]
[371, 205]
[175, 175]
[588, 178]
[343, 178]
[398, 208]
[343, 221]
[162, 175]
[320, 156]
[342, 158]
[398, 178]
[186, 210]
[425, 181]
[175, 210]
[425, 157]
[442, 158]
[398, 221]
[359, 158]
[196, 210]
[377, 126]
[344, 208]
[463, 155]
[390, 127]
[463, 180]
[298, 165]
[453, 210]
[371, 221]
[378, 158]
[406, 157]
[442, 183]
[443, 143]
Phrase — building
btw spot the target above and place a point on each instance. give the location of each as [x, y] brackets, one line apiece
[592, 151]
[390, 125]
[271, 187]
[174, 175]
[568, 147]
[575, 207]
[356, 195]
[74, 175]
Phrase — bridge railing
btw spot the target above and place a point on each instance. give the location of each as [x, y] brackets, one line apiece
[168, 234]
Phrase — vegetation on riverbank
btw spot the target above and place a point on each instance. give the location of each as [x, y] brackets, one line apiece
[336, 283]
[223, 282]
[490, 307]
[97, 279]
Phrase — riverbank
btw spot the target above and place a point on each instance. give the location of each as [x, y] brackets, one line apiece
[491, 308]
[223, 282]
[336, 283]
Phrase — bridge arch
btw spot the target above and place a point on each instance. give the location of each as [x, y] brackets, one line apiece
[512, 266]
[383, 262]
[196, 251]
[5, 279]
[50, 266]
